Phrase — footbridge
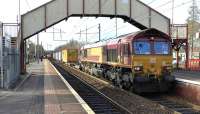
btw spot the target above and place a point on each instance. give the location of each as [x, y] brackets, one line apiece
[132, 11]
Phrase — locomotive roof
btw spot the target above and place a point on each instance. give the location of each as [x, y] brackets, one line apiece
[151, 32]
[104, 42]
[138, 34]
[97, 44]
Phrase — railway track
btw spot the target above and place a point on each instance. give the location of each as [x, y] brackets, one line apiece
[172, 105]
[99, 103]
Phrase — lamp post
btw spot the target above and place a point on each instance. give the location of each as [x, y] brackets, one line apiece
[172, 12]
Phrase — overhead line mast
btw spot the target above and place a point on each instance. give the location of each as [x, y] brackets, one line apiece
[172, 12]
[193, 4]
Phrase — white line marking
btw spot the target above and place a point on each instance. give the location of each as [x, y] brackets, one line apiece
[188, 81]
[80, 100]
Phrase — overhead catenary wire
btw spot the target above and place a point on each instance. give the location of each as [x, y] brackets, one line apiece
[164, 4]
[151, 2]
[99, 22]
[124, 26]
[85, 21]
[75, 26]
[92, 8]
[177, 6]
[94, 26]
[29, 7]
[139, 17]
[184, 3]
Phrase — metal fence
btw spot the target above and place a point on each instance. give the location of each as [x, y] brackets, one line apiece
[194, 64]
[9, 56]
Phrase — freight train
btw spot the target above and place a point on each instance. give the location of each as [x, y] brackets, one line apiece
[140, 61]
[66, 55]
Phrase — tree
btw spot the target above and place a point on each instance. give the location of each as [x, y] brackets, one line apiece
[31, 54]
[193, 19]
[193, 27]
[72, 44]
[194, 12]
[193, 24]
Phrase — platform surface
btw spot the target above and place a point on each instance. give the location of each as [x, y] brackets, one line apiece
[191, 76]
[43, 93]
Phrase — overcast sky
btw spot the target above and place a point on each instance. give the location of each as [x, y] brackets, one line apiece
[9, 12]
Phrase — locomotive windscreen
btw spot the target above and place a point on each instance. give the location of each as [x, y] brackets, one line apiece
[162, 47]
[148, 46]
[142, 47]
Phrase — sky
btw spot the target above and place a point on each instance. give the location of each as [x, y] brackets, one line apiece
[71, 28]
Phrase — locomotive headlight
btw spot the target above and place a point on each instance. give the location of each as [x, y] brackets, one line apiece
[167, 68]
[138, 68]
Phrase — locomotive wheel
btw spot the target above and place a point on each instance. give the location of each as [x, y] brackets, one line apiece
[132, 89]
[114, 82]
[120, 85]
[103, 74]
[123, 85]
[127, 85]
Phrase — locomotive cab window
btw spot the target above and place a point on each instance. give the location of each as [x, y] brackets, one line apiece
[161, 47]
[158, 46]
[126, 49]
[142, 47]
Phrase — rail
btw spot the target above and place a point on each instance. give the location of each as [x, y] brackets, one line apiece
[170, 105]
[94, 98]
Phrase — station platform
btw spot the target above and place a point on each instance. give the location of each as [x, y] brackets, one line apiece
[44, 92]
[187, 76]
[188, 85]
